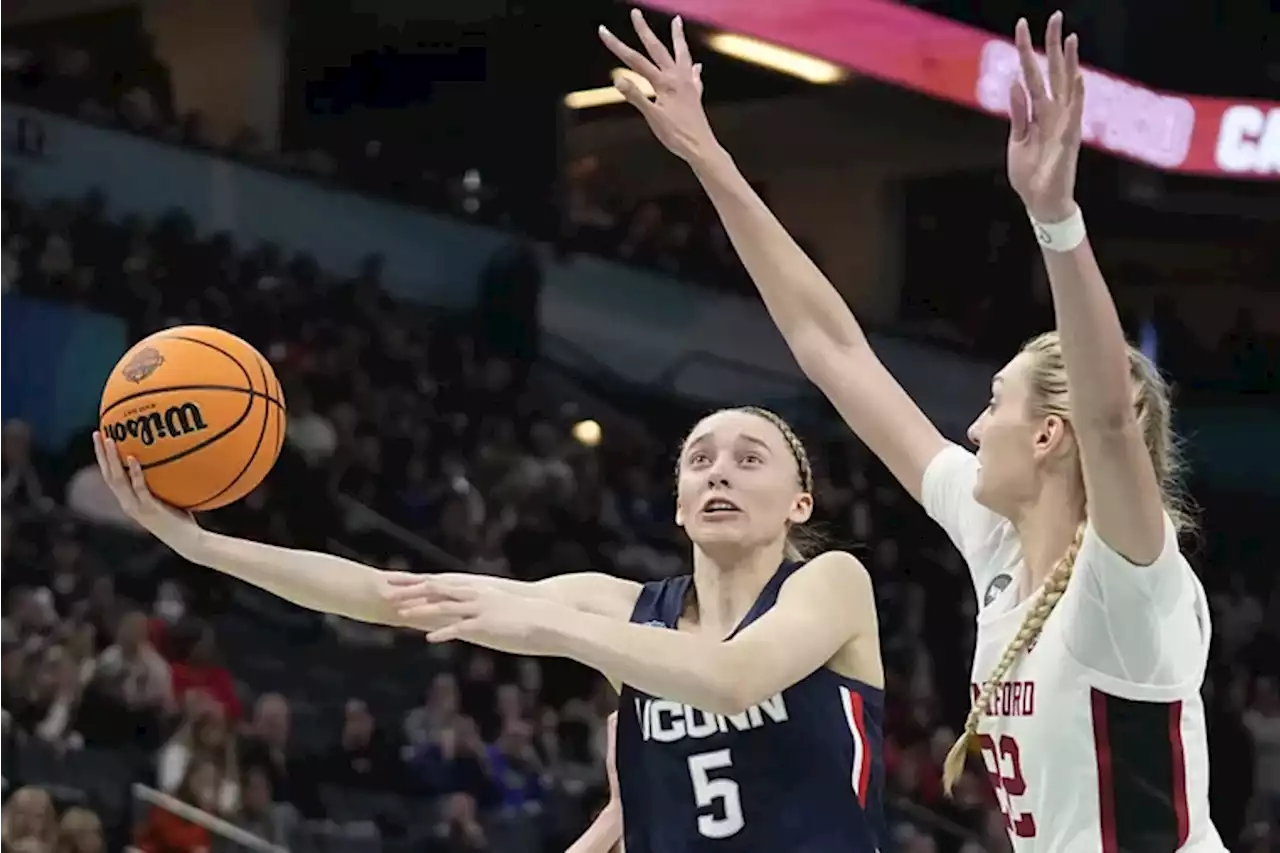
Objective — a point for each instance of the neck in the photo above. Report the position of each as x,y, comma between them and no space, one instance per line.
728,582
1046,528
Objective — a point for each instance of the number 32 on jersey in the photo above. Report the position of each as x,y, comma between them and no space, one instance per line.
1003,760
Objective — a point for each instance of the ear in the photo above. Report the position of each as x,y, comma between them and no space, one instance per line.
679,513
1053,438
801,508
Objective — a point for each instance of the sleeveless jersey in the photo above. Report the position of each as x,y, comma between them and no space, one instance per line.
800,772
1095,741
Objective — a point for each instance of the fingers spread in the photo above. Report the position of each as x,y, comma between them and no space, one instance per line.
1030,67
657,50
633,59
1059,82
679,44
1019,112
631,92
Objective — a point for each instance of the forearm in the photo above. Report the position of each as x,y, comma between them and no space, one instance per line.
308,579
678,666
604,834
804,305
1093,342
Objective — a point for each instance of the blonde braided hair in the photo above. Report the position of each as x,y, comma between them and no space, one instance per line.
1047,379
1028,632
795,550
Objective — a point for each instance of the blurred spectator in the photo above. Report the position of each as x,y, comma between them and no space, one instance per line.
22,482
440,710
1263,721
80,831
260,814
201,669
458,830
363,757
134,672
30,822
165,832
517,769
455,759
202,738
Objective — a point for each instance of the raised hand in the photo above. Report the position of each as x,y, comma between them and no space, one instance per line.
167,524
675,115
1044,137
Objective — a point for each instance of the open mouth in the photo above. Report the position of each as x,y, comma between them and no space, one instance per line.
720,507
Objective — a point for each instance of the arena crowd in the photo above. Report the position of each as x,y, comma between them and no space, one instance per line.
425,441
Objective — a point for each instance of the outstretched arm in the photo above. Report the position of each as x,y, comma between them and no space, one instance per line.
819,610
817,325
322,582
1124,496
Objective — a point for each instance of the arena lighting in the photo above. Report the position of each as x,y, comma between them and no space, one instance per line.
605,95
588,433
777,58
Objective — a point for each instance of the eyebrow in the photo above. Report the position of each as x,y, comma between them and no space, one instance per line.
750,439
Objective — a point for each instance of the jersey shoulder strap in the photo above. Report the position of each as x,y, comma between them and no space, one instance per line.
661,602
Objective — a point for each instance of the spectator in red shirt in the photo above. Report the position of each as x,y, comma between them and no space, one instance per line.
201,669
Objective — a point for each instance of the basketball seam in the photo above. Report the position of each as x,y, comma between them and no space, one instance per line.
262,432
248,381
140,394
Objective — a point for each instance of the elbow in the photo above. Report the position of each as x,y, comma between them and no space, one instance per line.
825,359
735,688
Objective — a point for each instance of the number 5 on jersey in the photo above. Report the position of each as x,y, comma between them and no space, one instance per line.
720,795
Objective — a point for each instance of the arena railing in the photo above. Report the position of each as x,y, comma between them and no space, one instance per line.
223,829
440,559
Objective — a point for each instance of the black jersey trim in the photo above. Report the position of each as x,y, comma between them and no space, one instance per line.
1142,790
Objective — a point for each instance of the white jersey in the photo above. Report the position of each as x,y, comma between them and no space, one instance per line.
1096,740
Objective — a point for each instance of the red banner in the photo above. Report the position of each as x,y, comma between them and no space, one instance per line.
1223,137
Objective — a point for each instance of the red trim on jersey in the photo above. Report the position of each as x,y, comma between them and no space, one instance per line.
1179,773
1106,782
861,777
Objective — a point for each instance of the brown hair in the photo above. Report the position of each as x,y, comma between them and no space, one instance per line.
801,541
1047,380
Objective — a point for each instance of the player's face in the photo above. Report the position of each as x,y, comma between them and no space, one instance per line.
1016,447
739,483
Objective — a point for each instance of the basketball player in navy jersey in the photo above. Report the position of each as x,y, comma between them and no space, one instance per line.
751,702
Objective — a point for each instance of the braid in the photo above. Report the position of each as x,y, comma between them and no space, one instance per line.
1032,624
793,442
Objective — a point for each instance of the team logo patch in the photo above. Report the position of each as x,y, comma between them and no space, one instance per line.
997,586
144,363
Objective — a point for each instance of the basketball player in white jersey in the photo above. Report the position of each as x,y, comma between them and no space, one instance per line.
1093,631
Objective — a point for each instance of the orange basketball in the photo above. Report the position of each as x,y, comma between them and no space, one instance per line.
201,410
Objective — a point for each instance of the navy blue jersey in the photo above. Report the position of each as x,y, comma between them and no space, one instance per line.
801,772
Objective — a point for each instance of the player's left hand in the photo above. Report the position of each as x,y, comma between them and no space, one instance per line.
484,616
1046,120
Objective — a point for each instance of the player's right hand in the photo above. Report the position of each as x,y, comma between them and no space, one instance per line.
675,115
127,483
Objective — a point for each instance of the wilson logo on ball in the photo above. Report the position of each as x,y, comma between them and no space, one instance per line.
173,422
146,362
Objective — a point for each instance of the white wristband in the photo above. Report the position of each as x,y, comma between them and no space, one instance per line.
1060,236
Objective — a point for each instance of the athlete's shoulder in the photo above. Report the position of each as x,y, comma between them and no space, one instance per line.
831,575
